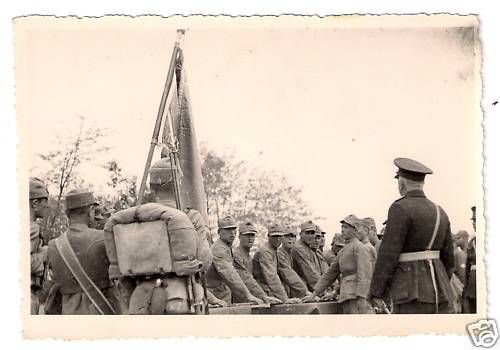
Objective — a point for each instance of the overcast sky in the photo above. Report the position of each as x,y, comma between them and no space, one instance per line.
330,108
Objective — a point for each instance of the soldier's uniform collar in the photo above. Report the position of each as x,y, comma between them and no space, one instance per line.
415,193
78,226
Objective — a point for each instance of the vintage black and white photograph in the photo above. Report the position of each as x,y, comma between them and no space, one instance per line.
261,166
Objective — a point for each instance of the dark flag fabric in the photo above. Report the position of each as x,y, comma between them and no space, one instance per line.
180,119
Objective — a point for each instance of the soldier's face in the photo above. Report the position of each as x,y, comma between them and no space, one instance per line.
228,234
247,240
289,241
41,207
348,232
275,241
322,240
308,237
316,241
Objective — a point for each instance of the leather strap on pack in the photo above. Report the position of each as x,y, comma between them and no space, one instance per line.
88,286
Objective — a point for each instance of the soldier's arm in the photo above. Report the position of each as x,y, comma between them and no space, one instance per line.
270,273
327,279
310,274
223,264
247,277
447,253
390,249
290,277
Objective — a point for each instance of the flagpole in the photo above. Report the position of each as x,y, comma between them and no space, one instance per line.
161,110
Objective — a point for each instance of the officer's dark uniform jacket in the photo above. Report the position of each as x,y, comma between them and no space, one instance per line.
306,263
410,226
294,286
88,245
470,271
222,278
244,266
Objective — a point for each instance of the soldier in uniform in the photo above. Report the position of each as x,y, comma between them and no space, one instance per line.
354,266
362,233
304,256
469,293
266,266
244,264
415,260
337,245
461,240
38,201
372,232
294,285
89,248
319,243
161,184
222,279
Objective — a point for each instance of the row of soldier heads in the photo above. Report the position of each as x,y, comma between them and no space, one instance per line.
310,233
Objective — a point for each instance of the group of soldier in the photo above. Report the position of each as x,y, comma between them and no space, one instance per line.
408,271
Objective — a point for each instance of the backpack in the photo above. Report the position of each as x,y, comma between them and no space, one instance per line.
155,245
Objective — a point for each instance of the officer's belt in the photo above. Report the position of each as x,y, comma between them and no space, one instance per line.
473,267
422,255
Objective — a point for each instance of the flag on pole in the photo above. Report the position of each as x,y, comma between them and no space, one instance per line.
180,119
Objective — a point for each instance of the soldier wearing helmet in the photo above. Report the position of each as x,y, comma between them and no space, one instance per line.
38,202
88,246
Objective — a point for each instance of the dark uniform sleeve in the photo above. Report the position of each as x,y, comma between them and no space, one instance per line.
327,279
390,249
290,277
447,253
223,264
247,277
269,270
309,273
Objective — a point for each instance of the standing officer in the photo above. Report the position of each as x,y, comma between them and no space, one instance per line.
469,293
88,248
162,186
362,233
38,201
244,264
354,266
294,285
415,259
304,256
266,265
222,279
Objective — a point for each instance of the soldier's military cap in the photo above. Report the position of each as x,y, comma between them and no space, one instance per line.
338,240
275,230
350,220
290,231
38,189
319,231
247,228
79,198
307,226
160,172
363,224
411,169
227,222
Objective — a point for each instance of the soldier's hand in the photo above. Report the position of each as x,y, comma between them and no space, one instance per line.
219,302
293,301
255,300
309,298
378,304
272,300
328,296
